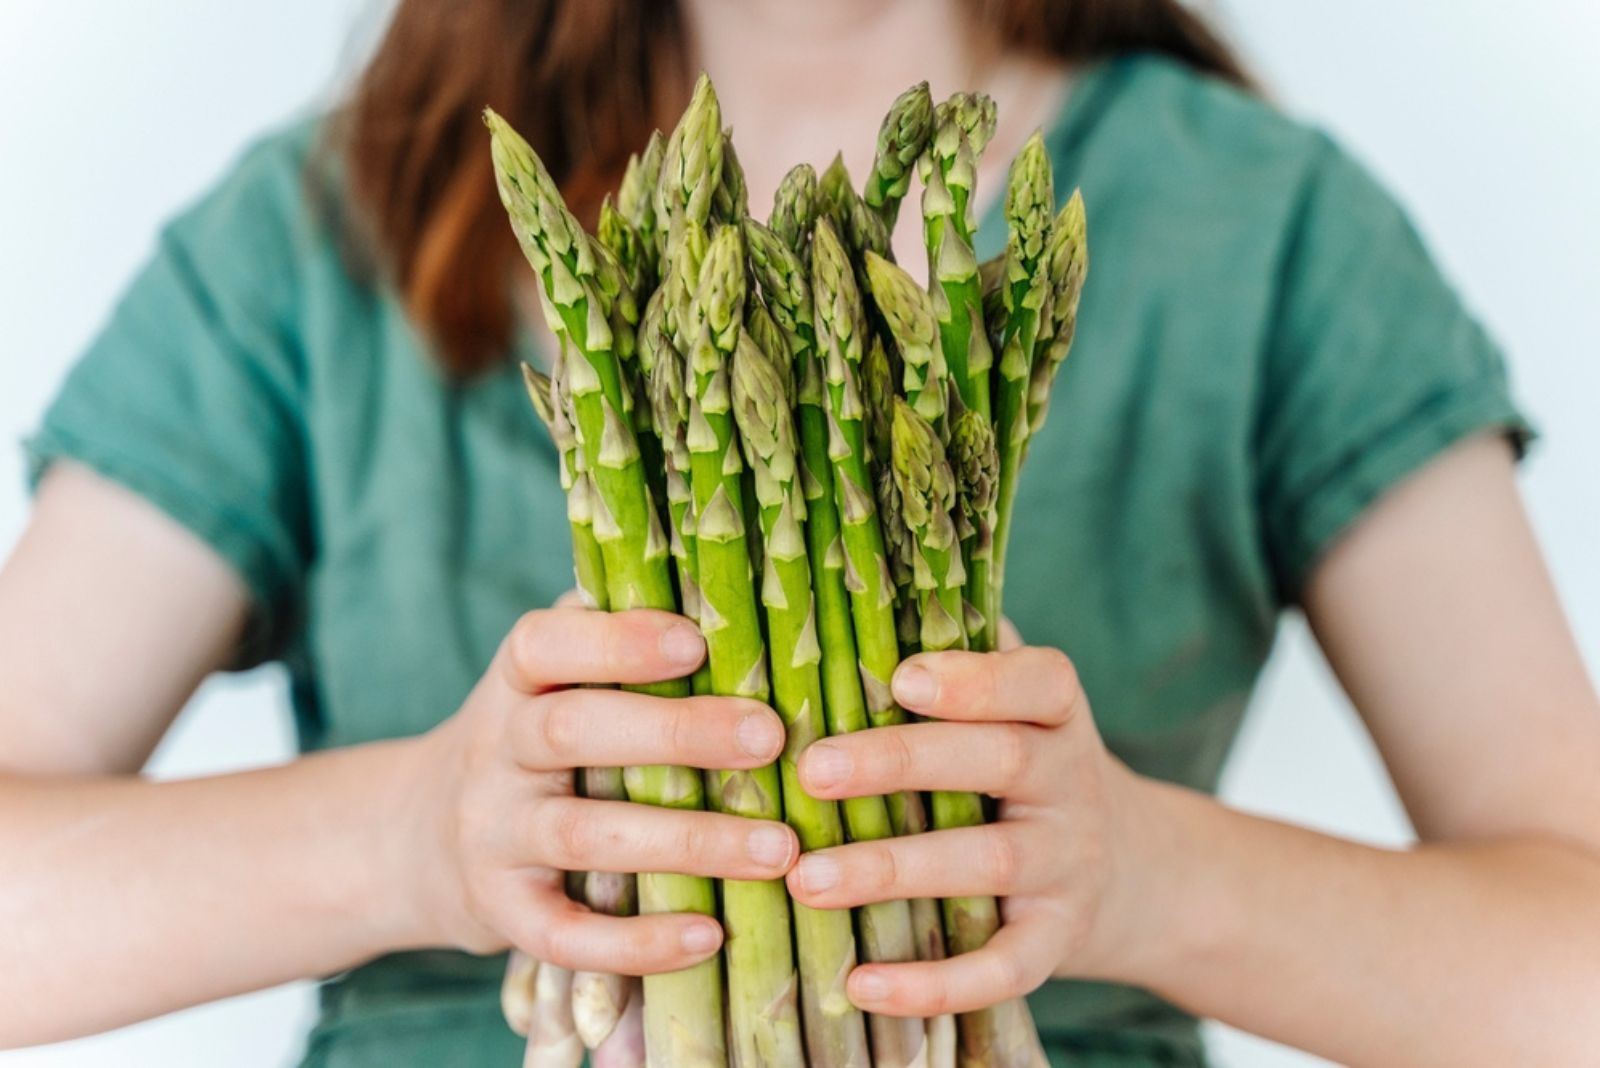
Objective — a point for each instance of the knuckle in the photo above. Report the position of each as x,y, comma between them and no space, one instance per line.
526,639
936,998
898,756
1007,975
1003,856
682,729
885,869
570,833
693,839
1013,757
1063,674
558,942
538,939
561,725
991,679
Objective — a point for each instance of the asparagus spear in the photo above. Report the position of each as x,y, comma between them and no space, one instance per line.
691,167
1022,288
794,208
731,202
684,1008
598,998
963,125
636,202
552,1042
761,976
1064,264
517,993
840,324
835,1030
901,141
1069,266
928,490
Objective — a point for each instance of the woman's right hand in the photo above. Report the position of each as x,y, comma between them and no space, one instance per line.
490,822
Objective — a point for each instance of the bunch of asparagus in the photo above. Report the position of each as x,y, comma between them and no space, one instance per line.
776,431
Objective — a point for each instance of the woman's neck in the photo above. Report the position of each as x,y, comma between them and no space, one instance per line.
799,82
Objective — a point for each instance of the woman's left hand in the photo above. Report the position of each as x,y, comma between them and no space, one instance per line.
1014,725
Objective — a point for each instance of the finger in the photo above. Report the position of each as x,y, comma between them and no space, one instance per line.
576,834
564,646
1000,759
1034,684
612,728
998,859
561,932
1010,636
1016,961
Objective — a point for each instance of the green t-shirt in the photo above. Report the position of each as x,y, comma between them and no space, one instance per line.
1265,347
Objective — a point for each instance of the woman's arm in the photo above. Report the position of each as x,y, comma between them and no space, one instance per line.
121,898
1480,946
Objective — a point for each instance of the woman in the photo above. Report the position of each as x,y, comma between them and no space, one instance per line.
300,437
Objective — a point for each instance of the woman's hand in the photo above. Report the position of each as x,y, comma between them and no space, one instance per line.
1014,725
493,823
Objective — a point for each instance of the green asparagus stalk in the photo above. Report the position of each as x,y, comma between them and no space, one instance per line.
887,931
1069,266
840,325
1064,264
928,490
669,404
901,141
684,1018
975,459
928,495
761,976
598,998
963,125
835,1030
1022,288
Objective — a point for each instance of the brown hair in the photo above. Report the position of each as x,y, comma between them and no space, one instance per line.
585,81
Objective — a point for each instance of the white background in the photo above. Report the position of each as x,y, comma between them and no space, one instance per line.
1481,115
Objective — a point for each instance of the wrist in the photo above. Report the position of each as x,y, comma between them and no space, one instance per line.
396,897
1164,903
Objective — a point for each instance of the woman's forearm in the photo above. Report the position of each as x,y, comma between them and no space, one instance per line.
122,899
1452,954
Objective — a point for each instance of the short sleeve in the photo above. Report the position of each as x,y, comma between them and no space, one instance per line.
1372,367
191,395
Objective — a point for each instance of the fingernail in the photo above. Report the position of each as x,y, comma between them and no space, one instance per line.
758,735
769,846
915,686
817,874
701,938
870,986
683,645
826,765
